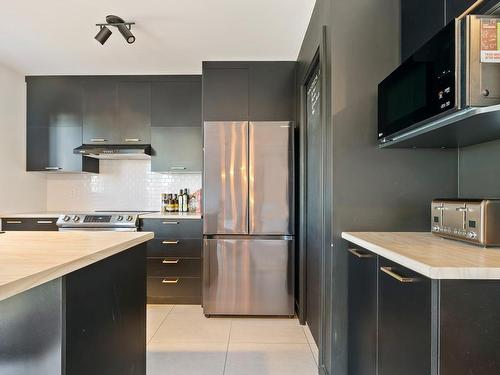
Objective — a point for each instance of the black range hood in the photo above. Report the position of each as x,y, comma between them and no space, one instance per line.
123,152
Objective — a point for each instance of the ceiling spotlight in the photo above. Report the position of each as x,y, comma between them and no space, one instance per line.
123,27
103,34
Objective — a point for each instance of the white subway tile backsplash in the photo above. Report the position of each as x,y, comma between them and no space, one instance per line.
120,185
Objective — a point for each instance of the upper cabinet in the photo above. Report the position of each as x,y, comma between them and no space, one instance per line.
225,93
455,8
116,112
249,91
272,91
176,102
421,19
54,125
134,112
176,135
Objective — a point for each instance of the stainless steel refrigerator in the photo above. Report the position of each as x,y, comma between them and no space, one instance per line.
248,218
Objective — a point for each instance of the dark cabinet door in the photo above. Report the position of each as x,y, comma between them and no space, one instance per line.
99,116
272,91
420,20
29,224
362,305
225,94
404,342
50,149
455,8
134,112
54,125
176,103
177,149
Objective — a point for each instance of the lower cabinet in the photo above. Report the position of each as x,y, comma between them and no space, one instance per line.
29,224
404,332
174,261
363,272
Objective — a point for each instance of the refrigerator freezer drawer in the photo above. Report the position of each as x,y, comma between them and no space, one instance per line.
248,276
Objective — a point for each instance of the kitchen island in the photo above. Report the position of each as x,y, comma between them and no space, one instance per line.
419,304
73,302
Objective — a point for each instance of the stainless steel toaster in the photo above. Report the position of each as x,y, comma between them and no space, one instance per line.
472,220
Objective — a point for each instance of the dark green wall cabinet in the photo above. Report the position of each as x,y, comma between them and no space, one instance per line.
54,125
176,135
116,111
421,19
249,91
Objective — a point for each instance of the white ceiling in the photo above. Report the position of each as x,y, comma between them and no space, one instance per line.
173,36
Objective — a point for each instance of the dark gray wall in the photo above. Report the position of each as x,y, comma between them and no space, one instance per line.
479,171
370,189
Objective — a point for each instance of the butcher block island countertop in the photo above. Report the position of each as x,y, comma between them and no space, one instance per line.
431,256
29,259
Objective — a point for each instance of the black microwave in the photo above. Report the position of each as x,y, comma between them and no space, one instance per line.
448,73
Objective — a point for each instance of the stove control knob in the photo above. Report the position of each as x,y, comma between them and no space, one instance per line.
119,218
129,218
472,235
66,218
76,219
435,228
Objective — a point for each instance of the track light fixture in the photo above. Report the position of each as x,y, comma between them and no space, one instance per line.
123,27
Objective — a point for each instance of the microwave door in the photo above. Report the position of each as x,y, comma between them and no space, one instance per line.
271,168
225,178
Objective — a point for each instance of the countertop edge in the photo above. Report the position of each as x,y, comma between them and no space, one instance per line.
179,216
18,286
437,273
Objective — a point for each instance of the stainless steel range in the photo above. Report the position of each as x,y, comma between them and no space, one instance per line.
100,221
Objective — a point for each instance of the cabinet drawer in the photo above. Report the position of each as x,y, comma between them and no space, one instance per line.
174,290
173,228
163,267
31,224
190,248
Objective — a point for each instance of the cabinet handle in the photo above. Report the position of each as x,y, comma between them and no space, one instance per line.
14,222
358,254
132,140
168,261
53,168
170,222
44,222
179,168
97,140
170,242
167,281
401,279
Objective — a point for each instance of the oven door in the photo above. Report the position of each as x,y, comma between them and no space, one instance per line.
421,88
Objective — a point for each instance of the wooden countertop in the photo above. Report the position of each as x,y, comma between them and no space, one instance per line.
431,256
28,259
172,215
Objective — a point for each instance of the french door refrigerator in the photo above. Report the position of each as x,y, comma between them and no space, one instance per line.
248,200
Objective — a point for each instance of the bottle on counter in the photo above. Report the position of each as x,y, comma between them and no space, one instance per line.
185,201
180,202
163,202
170,203
176,203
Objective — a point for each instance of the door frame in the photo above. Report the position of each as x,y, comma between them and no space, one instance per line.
319,60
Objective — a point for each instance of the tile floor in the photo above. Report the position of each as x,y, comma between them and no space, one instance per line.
181,341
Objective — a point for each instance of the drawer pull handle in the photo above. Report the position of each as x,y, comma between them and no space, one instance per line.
170,261
132,140
401,279
178,168
167,281
170,242
98,140
44,222
14,222
53,168
171,222
358,254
